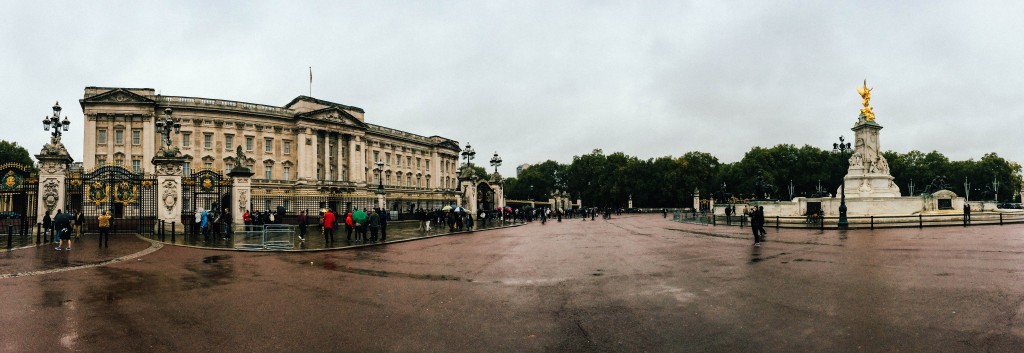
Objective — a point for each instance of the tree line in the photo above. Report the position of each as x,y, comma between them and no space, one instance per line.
608,180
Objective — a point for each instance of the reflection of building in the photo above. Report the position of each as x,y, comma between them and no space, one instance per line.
521,168
312,152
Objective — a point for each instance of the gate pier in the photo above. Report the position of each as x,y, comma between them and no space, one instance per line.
54,161
169,190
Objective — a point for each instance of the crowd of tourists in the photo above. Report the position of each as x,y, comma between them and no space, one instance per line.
63,227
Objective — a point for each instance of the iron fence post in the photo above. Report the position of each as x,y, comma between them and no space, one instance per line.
1000,219
172,232
10,234
920,221
39,232
776,222
872,222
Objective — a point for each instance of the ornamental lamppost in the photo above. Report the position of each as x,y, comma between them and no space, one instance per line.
495,161
842,148
468,154
55,122
995,189
165,126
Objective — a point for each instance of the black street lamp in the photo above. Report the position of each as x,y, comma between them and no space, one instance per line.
468,154
842,148
380,177
495,162
55,122
165,126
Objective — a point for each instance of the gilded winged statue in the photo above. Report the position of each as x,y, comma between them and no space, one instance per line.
865,93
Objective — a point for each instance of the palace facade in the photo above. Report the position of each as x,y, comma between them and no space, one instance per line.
306,155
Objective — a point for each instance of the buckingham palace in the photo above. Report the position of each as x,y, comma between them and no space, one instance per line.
306,155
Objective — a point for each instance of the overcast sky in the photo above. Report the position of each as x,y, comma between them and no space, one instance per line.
549,79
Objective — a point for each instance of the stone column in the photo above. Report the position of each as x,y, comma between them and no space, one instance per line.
303,159
326,148
356,168
168,191
54,161
241,192
696,199
337,160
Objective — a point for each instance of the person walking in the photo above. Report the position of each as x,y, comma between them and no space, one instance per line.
226,218
104,225
374,224
48,234
328,228
349,228
760,210
302,225
62,223
756,219
384,218
79,222
204,225
199,221
247,218
359,218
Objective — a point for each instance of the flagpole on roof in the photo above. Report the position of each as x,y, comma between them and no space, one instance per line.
310,81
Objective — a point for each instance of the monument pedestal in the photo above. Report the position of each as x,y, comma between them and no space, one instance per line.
868,173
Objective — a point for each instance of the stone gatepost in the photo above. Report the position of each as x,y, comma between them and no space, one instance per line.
53,168
168,191
469,189
696,199
241,192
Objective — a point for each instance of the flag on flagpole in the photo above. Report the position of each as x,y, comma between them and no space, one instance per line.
310,81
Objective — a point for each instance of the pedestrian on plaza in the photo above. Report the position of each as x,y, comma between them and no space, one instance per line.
728,215
247,217
359,218
204,225
48,228
469,221
225,218
967,213
197,229
302,225
384,218
374,224
104,225
63,223
349,228
79,222
760,209
757,224
328,227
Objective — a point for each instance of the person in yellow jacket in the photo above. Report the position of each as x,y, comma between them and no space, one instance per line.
104,225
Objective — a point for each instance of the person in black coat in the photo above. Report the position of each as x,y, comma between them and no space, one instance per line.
756,220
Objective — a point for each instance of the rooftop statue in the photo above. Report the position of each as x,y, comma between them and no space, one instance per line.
865,93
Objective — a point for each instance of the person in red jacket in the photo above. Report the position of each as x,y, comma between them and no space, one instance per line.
328,227
348,228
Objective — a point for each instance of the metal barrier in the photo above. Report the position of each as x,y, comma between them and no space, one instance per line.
865,222
264,237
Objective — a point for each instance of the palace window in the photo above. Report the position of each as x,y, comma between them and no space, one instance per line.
100,161
287,173
248,143
136,165
186,139
229,141
119,136
376,156
408,180
408,162
387,158
208,165
398,160
267,171
187,169
418,182
287,147
418,162
136,137
268,145
101,136
428,169
207,140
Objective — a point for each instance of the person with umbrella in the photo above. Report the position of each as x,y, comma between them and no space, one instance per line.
374,224
359,218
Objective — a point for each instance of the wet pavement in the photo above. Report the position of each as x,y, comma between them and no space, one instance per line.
635,283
